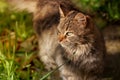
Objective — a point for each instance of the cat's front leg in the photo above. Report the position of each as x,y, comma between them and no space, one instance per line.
48,62
47,58
47,46
70,76
65,72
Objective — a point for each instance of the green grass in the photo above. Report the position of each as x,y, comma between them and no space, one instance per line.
18,46
8,66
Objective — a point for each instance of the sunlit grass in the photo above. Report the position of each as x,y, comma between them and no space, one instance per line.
8,65
18,51
18,46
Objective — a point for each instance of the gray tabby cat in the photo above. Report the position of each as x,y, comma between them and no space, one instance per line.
82,45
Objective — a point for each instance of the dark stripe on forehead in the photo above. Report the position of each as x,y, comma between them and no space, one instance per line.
70,17
72,14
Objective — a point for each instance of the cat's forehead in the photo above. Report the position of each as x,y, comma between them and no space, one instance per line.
73,21
66,20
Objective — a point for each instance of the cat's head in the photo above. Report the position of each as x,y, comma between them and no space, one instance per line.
75,29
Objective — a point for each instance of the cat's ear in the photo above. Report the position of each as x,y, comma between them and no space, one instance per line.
62,15
84,20
81,19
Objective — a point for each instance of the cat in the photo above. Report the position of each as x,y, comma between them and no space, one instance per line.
83,49
45,20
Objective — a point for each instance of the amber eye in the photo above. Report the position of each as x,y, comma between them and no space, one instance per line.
69,34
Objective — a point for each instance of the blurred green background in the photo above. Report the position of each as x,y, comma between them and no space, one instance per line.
103,11
18,44
109,9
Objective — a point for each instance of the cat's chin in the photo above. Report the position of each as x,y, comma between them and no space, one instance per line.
70,53
71,50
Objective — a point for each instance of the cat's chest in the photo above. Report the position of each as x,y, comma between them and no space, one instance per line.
48,39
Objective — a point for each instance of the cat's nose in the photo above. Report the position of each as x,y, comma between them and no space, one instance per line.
61,37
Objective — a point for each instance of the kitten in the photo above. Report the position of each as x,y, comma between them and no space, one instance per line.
45,20
82,45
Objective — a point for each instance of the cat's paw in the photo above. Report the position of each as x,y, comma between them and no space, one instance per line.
70,78
50,65
48,62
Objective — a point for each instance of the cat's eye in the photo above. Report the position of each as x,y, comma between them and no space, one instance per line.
69,34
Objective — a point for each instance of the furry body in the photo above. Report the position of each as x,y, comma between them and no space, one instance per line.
83,47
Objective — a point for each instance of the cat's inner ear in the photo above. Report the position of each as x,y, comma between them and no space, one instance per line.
62,15
81,19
